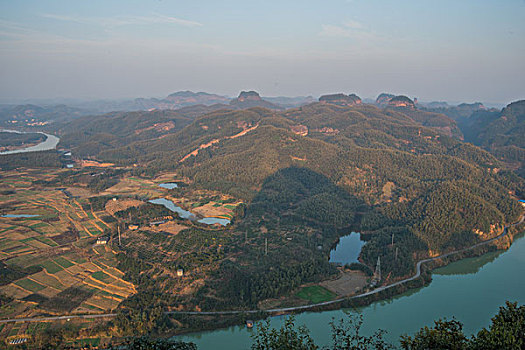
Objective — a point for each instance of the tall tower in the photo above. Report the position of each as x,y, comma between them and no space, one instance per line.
377,273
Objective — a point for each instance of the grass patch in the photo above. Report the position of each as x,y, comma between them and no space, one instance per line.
30,285
8,229
77,259
51,266
315,294
99,275
14,249
47,241
94,231
92,307
103,292
63,262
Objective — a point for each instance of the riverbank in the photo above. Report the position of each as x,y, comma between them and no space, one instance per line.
471,290
421,278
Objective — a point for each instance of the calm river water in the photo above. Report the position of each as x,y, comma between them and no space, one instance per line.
50,142
471,290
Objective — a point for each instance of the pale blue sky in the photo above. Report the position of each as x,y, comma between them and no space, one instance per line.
466,50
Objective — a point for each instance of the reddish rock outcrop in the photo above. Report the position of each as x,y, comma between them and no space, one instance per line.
341,99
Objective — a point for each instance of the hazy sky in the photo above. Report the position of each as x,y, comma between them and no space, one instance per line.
456,50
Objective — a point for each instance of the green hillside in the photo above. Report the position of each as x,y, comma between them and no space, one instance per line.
307,176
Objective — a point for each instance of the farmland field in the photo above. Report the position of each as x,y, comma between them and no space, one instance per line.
60,272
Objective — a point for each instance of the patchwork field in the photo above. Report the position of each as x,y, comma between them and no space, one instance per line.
50,263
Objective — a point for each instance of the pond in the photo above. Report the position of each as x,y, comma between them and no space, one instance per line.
50,142
169,185
19,216
347,250
471,290
212,221
184,214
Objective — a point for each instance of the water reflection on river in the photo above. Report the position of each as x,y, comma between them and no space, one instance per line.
471,290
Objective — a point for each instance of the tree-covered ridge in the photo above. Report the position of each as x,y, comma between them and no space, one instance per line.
92,135
382,157
305,174
12,139
499,132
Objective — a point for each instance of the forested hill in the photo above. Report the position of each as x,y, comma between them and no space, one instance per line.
90,135
500,132
502,129
406,165
310,173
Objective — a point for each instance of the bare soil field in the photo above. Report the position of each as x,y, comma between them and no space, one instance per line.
349,283
122,204
168,227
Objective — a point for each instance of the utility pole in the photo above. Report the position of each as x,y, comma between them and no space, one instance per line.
265,246
392,239
119,242
396,252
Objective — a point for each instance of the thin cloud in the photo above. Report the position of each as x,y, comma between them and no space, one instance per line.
348,29
124,20
351,24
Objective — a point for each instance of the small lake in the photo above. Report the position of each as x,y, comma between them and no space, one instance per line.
175,208
169,185
347,250
19,216
471,290
184,214
212,221
51,142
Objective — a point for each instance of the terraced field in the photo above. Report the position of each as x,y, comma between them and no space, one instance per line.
59,269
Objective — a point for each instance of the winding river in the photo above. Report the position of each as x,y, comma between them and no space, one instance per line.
471,290
50,142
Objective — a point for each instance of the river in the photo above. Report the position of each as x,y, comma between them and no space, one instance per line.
471,290
50,142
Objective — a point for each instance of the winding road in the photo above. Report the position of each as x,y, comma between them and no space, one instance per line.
286,309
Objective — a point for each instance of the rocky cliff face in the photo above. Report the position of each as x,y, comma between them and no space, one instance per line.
249,99
401,101
389,100
249,96
383,99
341,99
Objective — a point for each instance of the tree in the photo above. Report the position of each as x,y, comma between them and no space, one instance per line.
444,335
507,330
287,337
146,343
346,335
